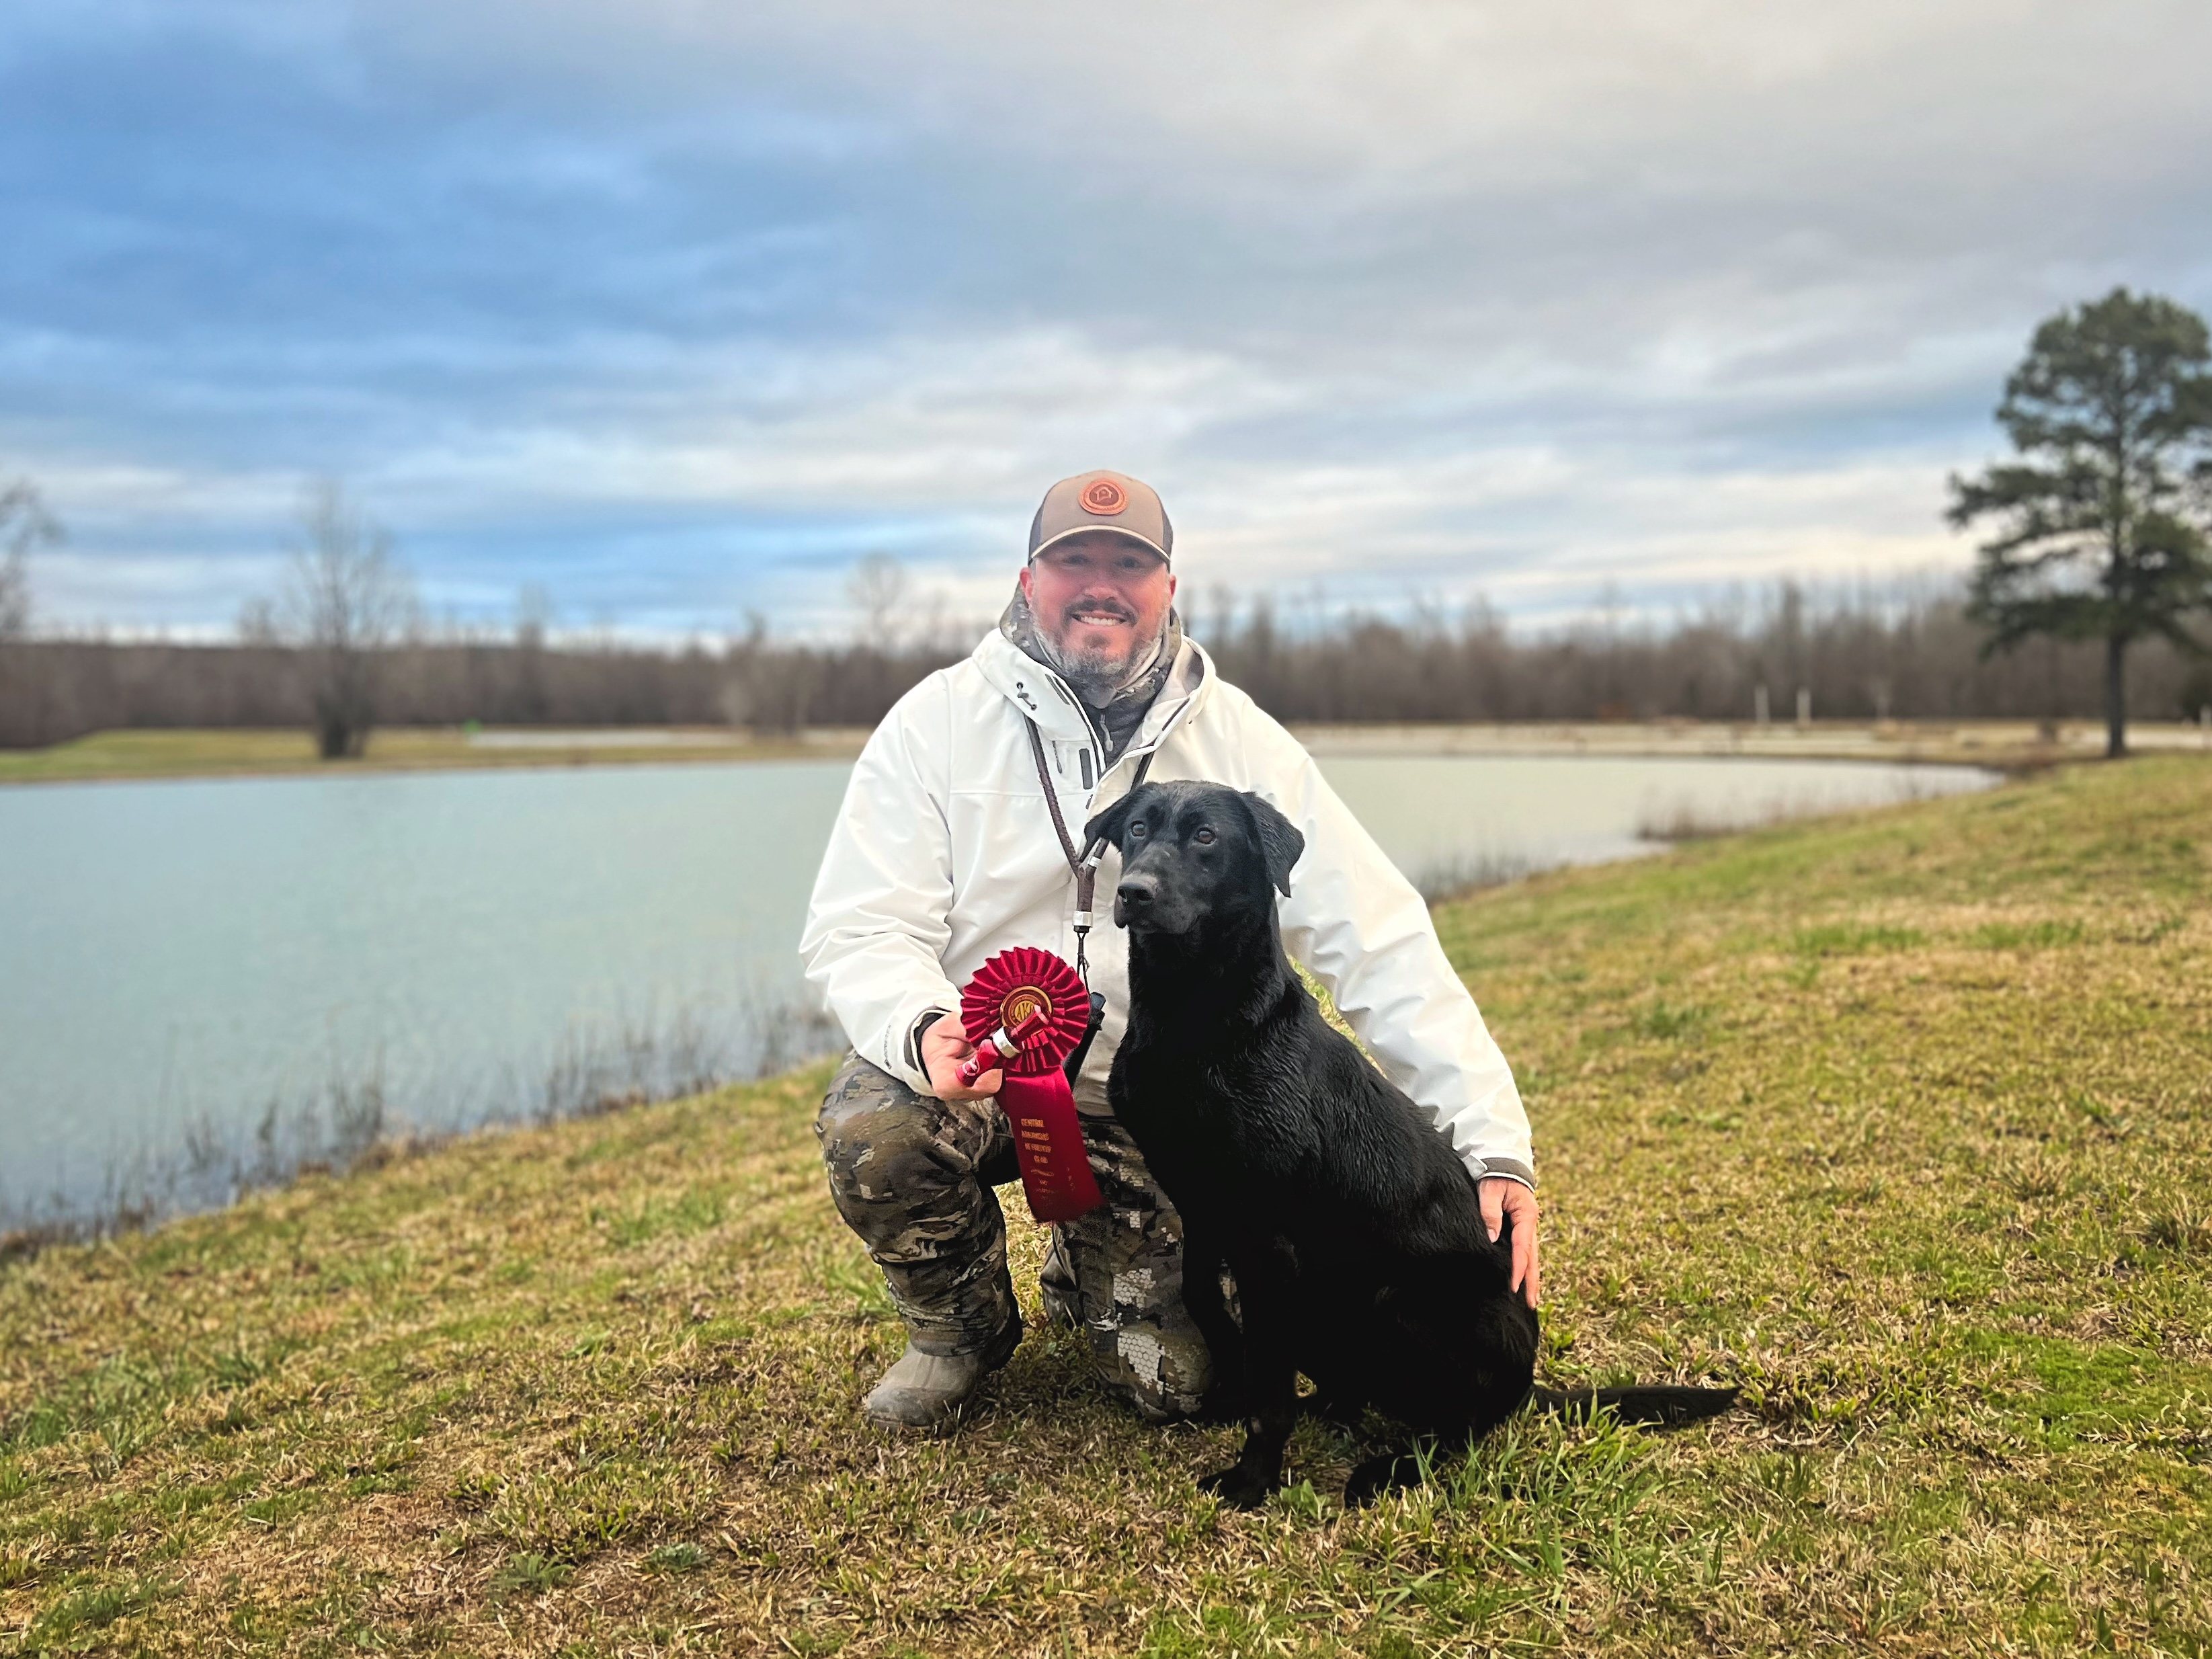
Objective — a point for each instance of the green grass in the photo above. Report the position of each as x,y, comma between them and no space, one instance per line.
1901,1121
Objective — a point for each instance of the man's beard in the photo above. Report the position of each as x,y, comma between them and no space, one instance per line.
1095,674
1100,669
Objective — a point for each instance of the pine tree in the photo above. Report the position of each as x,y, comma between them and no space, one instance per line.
2099,532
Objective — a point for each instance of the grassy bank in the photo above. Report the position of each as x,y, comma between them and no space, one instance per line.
1902,1121
245,752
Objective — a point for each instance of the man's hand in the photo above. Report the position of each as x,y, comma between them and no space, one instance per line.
1502,1198
944,1050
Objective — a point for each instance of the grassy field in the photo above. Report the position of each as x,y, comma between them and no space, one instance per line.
1902,1121
239,753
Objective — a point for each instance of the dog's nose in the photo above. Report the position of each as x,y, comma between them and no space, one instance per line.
1133,894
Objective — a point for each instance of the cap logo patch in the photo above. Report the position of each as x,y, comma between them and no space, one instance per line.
1103,498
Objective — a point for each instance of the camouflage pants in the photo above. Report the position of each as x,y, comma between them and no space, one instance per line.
913,1175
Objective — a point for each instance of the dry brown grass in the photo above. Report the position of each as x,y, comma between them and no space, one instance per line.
1902,1121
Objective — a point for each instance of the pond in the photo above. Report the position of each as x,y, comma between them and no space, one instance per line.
200,982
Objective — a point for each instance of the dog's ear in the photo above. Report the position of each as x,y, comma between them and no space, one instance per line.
1110,823
1280,843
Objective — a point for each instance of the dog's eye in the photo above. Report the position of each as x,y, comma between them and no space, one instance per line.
1137,829
1204,837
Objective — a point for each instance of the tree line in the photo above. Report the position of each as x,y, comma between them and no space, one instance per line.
1856,655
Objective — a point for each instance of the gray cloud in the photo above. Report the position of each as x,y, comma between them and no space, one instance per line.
679,309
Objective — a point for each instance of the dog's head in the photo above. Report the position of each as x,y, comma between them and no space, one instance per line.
1194,852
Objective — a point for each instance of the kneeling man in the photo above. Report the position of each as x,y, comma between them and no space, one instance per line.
954,844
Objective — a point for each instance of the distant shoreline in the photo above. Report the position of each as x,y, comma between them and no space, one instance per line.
143,754
138,755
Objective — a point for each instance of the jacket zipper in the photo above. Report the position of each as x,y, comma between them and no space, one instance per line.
1059,689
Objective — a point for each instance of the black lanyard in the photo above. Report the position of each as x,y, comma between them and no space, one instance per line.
1085,863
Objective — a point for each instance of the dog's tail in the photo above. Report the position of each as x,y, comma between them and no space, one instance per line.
1664,1403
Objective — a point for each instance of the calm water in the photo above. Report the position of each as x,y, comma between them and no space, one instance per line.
193,974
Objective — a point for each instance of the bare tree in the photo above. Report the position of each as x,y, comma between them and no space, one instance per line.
257,623
937,626
877,588
24,524
533,615
346,601
533,620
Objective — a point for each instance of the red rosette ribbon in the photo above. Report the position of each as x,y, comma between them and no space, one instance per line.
1026,1011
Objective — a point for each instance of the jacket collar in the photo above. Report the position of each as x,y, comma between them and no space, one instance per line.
1040,694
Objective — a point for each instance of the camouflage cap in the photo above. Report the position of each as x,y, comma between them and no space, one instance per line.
1103,500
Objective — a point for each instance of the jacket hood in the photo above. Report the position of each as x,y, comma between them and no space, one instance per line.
1039,694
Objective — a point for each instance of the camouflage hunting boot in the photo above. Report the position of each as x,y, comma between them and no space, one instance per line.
913,1176
927,1390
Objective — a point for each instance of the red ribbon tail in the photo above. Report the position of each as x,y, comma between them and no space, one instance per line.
1048,1144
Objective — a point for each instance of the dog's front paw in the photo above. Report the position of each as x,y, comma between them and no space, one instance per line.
1239,1487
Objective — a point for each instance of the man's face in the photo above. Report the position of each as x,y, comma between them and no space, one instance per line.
1101,599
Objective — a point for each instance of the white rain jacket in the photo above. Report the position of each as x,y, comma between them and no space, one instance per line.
943,856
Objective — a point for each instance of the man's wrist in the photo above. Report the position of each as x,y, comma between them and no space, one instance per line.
928,1018
1505,1169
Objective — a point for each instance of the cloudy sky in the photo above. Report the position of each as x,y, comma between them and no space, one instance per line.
679,308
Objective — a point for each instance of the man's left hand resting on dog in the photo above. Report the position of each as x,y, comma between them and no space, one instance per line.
1502,1197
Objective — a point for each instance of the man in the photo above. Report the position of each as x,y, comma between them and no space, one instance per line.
945,853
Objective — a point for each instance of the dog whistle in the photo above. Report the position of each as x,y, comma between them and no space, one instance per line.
999,1046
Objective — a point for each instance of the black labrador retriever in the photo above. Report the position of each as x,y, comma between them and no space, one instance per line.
1352,1230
